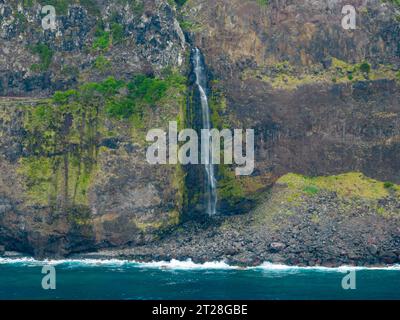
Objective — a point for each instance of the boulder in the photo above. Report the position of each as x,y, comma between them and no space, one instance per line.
276,246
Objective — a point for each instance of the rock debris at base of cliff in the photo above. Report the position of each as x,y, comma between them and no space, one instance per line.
76,103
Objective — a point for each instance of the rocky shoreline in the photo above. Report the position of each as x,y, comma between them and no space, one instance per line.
291,227
244,246
315,229
251,249
76,185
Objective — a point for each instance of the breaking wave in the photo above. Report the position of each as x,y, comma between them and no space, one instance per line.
178,265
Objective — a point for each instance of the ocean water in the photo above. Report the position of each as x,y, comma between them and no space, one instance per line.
113,279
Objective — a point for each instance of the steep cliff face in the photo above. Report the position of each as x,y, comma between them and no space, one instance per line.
322,99
91,40
73,168
304,33
82,189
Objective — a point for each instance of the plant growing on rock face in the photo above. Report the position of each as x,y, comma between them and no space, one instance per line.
45,55
388,185
229,188
263,2
311,190
63,137
21,21
61,6
365,67
102,64
395,2
180,2
117,32
64,134
48,128
101,41
91,6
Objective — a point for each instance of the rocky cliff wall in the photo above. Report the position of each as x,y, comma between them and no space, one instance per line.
73,168
92,40
322,100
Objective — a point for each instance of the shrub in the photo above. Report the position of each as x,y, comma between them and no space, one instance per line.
101,40
61,6
365,67
45,55
110,86
117,32
263,2
102,64
388,185
121,109
395,2
91,7
180,2
312,190
147,89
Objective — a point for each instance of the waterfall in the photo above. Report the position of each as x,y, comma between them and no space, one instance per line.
210,180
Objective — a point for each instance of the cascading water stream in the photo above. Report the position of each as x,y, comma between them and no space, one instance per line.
210,180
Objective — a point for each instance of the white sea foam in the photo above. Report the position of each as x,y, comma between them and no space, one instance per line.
187,265
86,262
281,267
21,260
180,265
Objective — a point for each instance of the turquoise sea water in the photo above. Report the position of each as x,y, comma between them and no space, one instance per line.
100,279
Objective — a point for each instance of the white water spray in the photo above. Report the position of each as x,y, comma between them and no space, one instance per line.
210,180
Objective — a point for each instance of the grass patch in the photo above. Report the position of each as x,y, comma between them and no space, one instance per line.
286,76
311,190
351,185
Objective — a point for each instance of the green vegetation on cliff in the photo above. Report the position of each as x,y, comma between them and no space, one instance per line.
317,197
64,136
286,76
102,39
395,2
180,2
350,185
45,54
263,2
61,6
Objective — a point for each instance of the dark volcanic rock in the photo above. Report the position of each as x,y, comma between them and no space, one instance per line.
276,246
361,237
152,40
285,69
